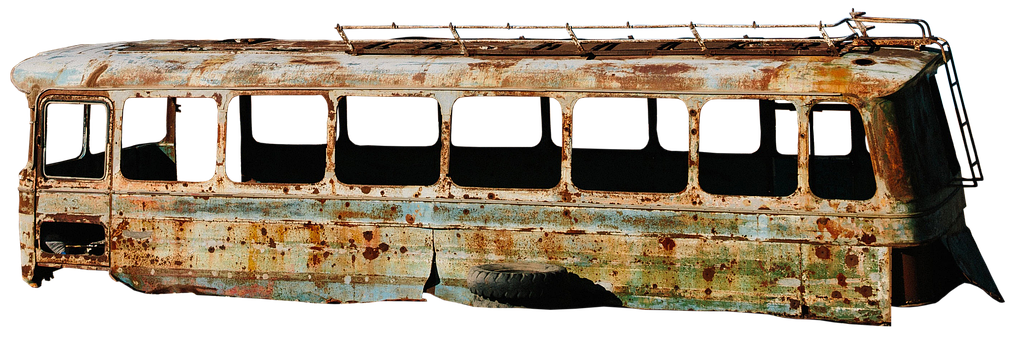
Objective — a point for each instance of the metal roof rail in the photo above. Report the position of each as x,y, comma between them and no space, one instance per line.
808,38
822,44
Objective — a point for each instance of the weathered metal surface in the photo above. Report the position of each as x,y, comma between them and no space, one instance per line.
797,255
788,279
105,66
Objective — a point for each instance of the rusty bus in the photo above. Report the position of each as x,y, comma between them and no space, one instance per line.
780,227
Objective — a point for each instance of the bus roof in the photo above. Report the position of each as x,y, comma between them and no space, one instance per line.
283,64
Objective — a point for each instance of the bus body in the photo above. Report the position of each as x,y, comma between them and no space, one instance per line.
836,236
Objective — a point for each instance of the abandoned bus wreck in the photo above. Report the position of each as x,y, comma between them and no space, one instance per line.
161,163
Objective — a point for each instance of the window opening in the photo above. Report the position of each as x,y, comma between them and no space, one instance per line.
169,139
831,135
672,125
730,126
610,123
388,140
76,140
741,147
622,144
787,130
840,164
506,142
68,238
392,121
277,139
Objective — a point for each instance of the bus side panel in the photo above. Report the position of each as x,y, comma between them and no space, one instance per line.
210,245
687,273
27,236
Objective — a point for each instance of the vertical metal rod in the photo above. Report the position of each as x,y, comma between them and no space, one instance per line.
463,49
696,34
85,130
574,38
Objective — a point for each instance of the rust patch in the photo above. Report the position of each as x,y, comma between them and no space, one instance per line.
368,235
26,271
852,260
836,294
25,204
868,238
667,243
822,252
403,250
493,64
865,291
833,228
410,219
366,189
794,304
95,75
663,69
708,274
370,253
314,60
841,279
75,218
383,247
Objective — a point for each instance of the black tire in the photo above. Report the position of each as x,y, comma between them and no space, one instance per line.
517,281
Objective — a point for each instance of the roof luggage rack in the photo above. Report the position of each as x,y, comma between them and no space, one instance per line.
590,40
820,44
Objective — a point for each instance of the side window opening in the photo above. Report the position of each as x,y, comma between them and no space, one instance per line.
840,164
388,140
76,140
169,139
748,147
630,144
277,139
68,238
506,142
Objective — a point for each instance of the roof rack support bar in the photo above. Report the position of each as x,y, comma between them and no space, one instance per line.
574,38
696,34
346,41
824,34
463,49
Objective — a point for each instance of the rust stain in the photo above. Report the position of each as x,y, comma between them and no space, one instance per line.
419,78
841,279
708,274
867,238
663,69
833,228
667,243
91,81
895,167
823,253
852,260
864,291
493,65
370,253
73,218
315,60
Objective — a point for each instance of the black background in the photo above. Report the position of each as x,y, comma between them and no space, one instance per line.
81,296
